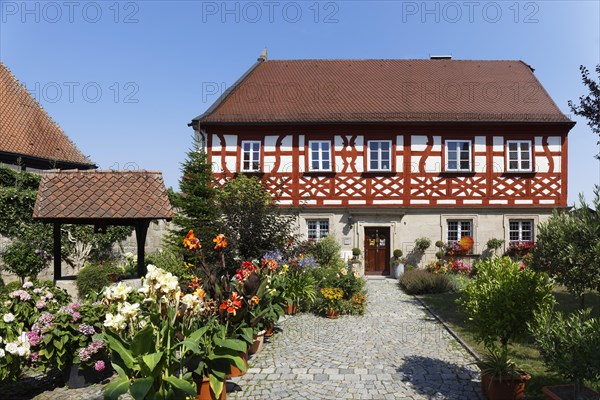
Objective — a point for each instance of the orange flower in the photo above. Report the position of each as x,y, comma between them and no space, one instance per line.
466,243
221,242
232,305
254,300
191,241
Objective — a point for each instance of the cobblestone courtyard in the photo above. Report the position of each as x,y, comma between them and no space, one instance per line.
395,351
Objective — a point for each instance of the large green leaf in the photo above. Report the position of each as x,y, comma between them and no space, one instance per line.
182,385
143,342
141,387
152,360
116,388
197,335
191,345
216,383
117,346
233,344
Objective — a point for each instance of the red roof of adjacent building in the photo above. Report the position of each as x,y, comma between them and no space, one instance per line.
26,129
102,195
325,91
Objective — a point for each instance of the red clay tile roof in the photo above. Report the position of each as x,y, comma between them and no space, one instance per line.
26,128
300,91
102,194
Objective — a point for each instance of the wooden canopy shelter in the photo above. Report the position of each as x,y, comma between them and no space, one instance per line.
102,198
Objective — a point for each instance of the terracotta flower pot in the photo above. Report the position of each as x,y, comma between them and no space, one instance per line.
507,388
332,314
235,371
567,392
205,392
291,309
257,345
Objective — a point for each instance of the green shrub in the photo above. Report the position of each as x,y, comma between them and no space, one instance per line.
494,244
570,347
409,267
94,278
25,259
440,244
397,253
417,281
458,281
356,252
422,243
169,260
327,251
502,299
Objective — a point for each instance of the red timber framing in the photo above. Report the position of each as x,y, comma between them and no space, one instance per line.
417,177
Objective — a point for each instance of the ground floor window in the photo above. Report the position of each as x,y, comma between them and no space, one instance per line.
317,228
458,229
520,230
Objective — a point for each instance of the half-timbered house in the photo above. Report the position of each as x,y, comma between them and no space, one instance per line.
382,152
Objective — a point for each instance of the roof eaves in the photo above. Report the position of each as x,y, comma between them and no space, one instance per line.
227,93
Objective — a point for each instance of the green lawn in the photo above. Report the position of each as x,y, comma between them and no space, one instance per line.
525,355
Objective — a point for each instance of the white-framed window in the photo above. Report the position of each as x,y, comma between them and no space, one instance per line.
319,155
458,155
459,228
317,228
250,156
518,155
520,230
379,155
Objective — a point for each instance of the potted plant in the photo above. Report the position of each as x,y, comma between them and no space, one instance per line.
500,377
299,287
332,301
499,303
398,264
494,244
570,348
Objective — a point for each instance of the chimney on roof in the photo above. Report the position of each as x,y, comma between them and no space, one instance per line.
263,55
440,57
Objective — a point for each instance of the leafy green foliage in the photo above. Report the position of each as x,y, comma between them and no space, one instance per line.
95,277
102,242
502,298
494,244
170,260
25,259
589,105
422,244
568,247
398,253
327,251
496,363
570,346
417,281
195,205
251,222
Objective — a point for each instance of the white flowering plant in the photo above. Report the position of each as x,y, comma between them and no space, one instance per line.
161,339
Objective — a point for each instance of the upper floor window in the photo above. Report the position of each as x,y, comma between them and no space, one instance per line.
518,155
250,156
317,228
520,230
320,155
459,228
458,155
380,155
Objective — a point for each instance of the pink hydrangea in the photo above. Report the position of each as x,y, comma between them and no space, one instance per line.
99,366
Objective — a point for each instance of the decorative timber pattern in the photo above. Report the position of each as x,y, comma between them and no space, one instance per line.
417,177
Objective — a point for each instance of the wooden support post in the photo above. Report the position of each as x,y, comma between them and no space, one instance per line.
141,231
57,253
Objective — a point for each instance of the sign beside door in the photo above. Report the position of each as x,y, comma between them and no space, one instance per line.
377,251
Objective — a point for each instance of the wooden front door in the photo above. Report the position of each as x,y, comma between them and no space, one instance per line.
377,253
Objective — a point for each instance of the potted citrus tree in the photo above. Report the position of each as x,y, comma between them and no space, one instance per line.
570,348
500,302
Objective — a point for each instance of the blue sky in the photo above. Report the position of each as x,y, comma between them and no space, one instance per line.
123,79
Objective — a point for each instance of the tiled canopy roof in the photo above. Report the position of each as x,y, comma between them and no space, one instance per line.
102,195
298,91
26,129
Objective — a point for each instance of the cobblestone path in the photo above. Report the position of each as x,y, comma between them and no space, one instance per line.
395,351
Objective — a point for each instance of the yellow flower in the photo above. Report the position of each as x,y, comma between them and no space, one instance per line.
221,242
